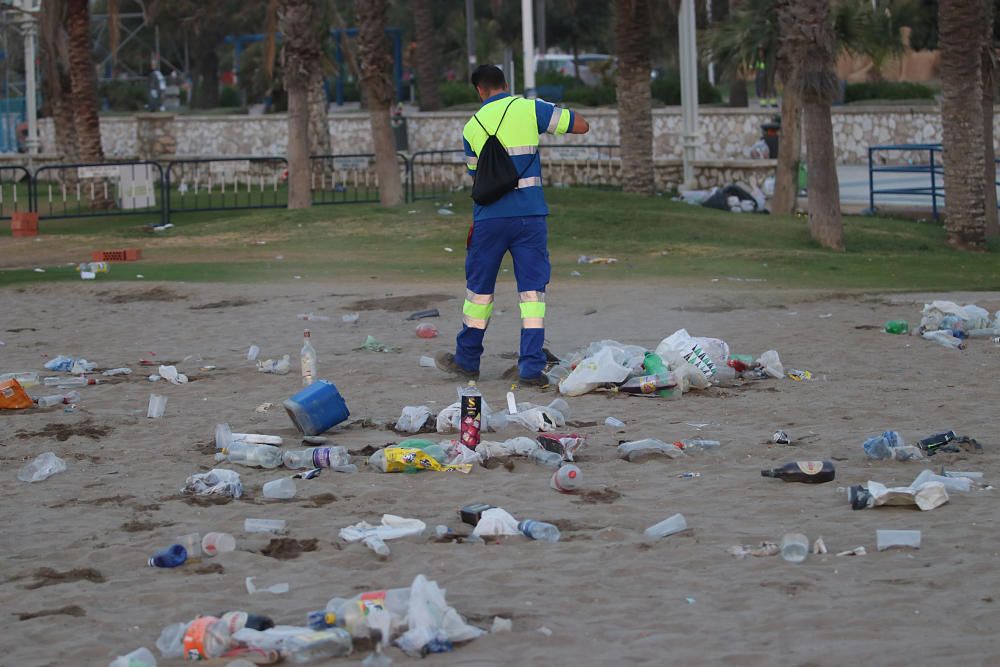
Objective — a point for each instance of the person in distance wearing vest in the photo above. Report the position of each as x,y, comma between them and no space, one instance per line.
509,215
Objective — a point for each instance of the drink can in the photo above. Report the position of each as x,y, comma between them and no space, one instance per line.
472,414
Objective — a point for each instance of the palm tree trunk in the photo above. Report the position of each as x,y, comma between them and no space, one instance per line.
376,65
786,185
427,55
300,54
813,47
55,78
960,41
989,87
206,69
635,107
84,82
319,124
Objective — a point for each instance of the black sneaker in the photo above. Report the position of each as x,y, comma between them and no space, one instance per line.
511,373
541,381
445,361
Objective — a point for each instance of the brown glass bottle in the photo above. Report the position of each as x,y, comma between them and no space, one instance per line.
807,472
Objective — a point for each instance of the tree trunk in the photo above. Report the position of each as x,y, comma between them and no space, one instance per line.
738,96
300,54
989,87
786,180
427,55
812,47
376,82
635,110
825,223
57,86
83,79
319,124
206,89
960,42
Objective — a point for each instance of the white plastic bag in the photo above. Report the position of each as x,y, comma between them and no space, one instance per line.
215,482
393,527
936,311
496,521
771,364
680,346
513,447
413,418
631,451
592,372
538,418
170,374
430,617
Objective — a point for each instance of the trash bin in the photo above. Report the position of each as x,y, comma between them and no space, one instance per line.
770,132
399,132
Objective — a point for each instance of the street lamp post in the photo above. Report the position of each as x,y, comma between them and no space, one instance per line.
689,89
528,42
27,17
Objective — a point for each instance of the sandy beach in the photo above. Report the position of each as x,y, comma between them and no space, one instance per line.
77,591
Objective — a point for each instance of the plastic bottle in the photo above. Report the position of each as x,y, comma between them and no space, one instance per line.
254,456
217,543
319,645
544,457
471,415
648,384
172,556
308,359
945,339
667,527
897,327
350,613
698,445
59,399
426,330
881,447
539,530
315,457
141,657
264,525
280,489
567,479
26,380
117,371
794,547
76,381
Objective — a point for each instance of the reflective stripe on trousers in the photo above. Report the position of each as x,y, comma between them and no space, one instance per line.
477,310
532,309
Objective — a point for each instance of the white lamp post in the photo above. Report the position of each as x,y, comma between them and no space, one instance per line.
27,11
689,89
528,42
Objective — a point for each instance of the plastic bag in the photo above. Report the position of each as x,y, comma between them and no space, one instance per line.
566,444
771,363
41,468
393,527
170,374
429,617
512,447
538,418
280,367
934,312
215,482
496,521
638,449
680,346
413,418
602,368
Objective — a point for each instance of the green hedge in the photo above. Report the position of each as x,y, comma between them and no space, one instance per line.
887,90
454,93
667,89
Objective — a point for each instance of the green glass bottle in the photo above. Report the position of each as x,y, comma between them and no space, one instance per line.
897,327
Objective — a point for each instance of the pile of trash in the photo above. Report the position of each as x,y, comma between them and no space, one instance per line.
417,619
679,364
950,325
729,198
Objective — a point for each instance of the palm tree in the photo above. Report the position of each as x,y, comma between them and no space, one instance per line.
376,83
427,56
57,87
813,46
635,111
83,80
301,55
960,39
790,148
988,65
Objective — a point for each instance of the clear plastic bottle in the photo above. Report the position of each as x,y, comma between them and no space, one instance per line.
544,457
567,479
698,445
945,339
317,645
141,657
539,530
279,489
316,457
308,358
350,613
254,456
76,381
58,399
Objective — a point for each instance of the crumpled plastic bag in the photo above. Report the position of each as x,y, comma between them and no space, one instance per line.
64,364
927,496
170,374
449,419
890,445
971,315
280,367
215,482
771,363
429,617
605,367
496,521
565,444
413,418
373,345
538,418
460,454
393,527
638,449
680,345
513,447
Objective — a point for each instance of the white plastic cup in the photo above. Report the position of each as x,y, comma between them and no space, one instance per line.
252,353
191,542
264,525
887,539
614,422
217,543
280,489
427,362
794,547
157,405
669,526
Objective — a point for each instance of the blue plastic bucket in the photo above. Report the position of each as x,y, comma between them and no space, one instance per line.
317,408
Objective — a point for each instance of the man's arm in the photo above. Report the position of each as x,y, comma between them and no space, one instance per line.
579,124
553,119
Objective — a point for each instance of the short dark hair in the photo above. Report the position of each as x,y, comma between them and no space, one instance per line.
489,77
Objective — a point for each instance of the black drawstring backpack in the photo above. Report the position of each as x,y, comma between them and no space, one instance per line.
496,174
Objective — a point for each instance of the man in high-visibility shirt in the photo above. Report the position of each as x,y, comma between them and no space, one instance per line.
515,223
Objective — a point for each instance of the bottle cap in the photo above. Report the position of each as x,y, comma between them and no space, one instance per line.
306,333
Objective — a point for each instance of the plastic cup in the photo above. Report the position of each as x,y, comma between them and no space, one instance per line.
426,330
217,543
281,489
427,362
614,422
674,524
191,542
887,539
794,547
264,525
157,405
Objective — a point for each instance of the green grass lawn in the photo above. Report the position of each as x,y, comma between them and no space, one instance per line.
654,239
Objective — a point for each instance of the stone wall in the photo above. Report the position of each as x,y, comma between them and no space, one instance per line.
726,134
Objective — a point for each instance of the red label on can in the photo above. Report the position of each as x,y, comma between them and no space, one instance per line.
471,422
